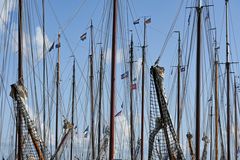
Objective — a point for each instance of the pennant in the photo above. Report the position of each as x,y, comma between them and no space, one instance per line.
134,86
124,75
147,21
85,132
52,47
83,36
57,45
136,21
182,69
118,114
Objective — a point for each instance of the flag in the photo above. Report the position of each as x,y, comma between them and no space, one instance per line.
134,86
85,132
83,36
147,21
124,75
182,69
136,21
118,114
210,99
52,47
58,45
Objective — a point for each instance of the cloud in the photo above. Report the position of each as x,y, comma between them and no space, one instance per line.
6,7
119,57
39,42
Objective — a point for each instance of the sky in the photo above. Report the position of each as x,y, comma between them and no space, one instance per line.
72,18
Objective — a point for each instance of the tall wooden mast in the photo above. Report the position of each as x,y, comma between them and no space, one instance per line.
100,102
91,93
178,85
132,141
143,80
236,122
216,99
57,91
44,74
73,104
20,79
198,80
113,82
228,86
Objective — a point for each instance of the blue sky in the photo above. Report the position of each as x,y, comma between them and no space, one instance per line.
72,18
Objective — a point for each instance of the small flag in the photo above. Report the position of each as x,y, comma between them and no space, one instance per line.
147,21
52,47
124,75
210,99
85,132
189,18
182,69
58,45
83,36
134,86
136,21
118,114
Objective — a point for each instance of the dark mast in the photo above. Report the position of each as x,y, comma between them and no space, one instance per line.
228,85
73,104
198,79
20,79
100,102
178,85
57,91
91,93
113,77
236,122
132,141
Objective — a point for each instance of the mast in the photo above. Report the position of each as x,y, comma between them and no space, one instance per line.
57,91
228,85
44,73
198,80
178,86
132,146
91,93
20,79
216,99
100,102
236,122
113,76
73,103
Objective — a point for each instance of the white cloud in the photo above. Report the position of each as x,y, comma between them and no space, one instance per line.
119,56
6,8
39,42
